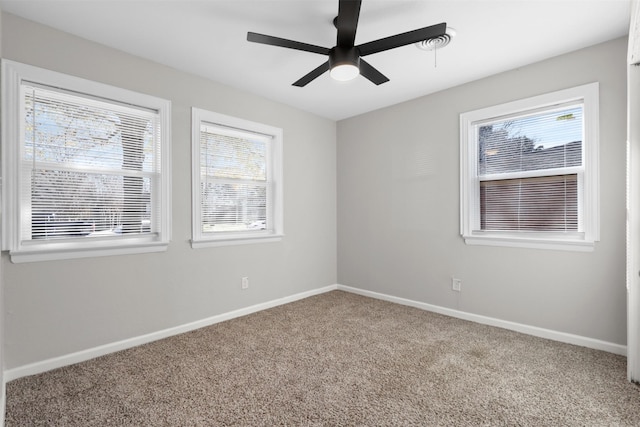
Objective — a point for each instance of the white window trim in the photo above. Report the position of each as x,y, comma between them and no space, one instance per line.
588,199
13,75
198,240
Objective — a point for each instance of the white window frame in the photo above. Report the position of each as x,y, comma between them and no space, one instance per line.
274,231
588,185
27,250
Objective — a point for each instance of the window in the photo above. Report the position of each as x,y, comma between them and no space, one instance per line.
530,172
85,167
237,180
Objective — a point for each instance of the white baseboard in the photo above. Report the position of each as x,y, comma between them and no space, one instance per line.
518,327
81,356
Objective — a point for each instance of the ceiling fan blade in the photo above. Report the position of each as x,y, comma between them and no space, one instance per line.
402,39
368,71
347,21
312,75
290,44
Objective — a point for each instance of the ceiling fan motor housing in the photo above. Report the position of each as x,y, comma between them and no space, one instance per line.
344,63
340,55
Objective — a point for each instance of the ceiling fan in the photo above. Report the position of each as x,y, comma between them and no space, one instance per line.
345,59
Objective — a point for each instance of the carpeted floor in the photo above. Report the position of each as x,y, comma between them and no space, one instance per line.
336,359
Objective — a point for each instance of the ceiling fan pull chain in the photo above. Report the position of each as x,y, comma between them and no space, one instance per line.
435,57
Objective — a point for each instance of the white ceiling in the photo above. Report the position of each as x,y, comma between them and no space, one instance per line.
208,38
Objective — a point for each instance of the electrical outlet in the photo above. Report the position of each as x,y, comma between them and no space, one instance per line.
245,283
456,284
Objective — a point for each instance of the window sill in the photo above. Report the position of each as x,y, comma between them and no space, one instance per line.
532,243
40,253
228,241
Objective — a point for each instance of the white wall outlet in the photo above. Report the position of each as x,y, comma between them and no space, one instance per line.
245,283
456,284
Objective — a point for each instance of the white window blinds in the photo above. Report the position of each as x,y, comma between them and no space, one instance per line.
90,167
529,172
237,190
529,168
235,187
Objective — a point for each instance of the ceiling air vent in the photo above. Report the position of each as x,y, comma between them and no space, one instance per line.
437,42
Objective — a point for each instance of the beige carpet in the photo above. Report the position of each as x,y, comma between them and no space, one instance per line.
331,360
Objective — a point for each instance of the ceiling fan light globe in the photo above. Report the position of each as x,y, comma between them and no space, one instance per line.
344,72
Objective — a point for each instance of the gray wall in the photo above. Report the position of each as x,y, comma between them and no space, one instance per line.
398,207
56,308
